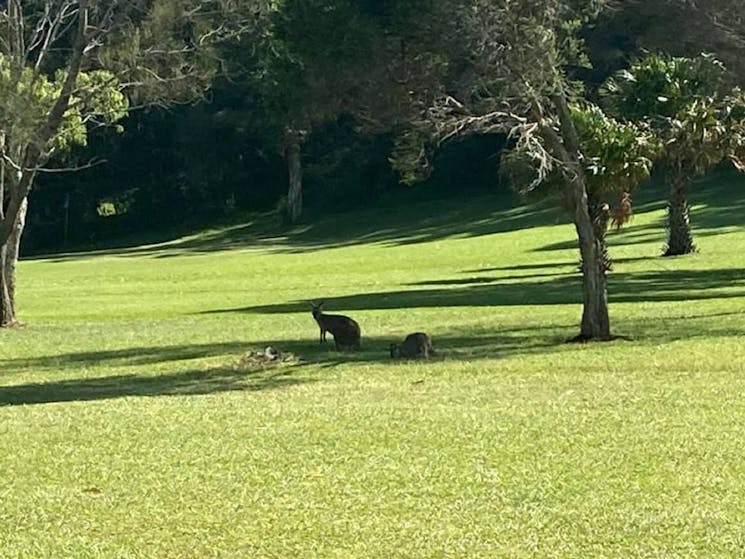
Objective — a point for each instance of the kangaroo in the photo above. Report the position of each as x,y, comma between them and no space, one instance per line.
415,345
346,331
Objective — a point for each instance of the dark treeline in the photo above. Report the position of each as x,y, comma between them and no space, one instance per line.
194,165
187,166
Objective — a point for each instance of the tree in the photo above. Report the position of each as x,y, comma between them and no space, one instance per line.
27,100
65,65
695,113
502,68
301,92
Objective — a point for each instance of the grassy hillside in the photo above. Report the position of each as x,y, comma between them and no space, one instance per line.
130,425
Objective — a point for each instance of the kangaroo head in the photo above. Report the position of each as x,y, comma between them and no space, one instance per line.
316,308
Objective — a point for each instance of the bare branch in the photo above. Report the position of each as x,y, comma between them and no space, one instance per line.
50,29
92,163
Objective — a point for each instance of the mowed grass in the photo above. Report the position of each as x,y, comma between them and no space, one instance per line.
130,427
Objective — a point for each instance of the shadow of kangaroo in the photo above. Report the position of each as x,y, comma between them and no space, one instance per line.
346,331
415,345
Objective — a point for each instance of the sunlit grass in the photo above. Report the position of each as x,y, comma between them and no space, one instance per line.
130,428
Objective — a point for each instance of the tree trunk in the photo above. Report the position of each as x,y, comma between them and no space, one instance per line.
8,260
295,172
13,250
7,310
595,318
600,216
679,236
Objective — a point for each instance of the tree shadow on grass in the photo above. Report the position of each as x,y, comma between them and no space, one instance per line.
235,378
573,264
643,234
718,206
660,285
468,344
397,225
131,356
453,345
412,219
475,280
194,382
462,344
305,350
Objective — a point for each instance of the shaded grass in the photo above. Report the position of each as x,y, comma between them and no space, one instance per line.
128,430
183,383
400,223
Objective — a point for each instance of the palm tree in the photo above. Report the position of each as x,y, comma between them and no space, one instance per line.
696,115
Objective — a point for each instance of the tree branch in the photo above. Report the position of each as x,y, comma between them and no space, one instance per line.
92,163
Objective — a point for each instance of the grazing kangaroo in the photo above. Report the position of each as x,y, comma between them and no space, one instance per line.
415,345
346,331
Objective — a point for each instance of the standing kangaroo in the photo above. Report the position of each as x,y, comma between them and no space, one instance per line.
415,345
346,331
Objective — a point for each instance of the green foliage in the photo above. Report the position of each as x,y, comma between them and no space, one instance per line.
616,157
660,86
323,58
683,28
312,54
521,167
687,103
26,99
412,157
502,62
98,96
329,31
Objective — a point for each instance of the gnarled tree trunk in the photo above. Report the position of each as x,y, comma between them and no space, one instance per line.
595,318
595,323
13,249
13,220
679,236
7,310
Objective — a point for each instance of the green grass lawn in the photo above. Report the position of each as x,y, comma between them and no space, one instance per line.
131,427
